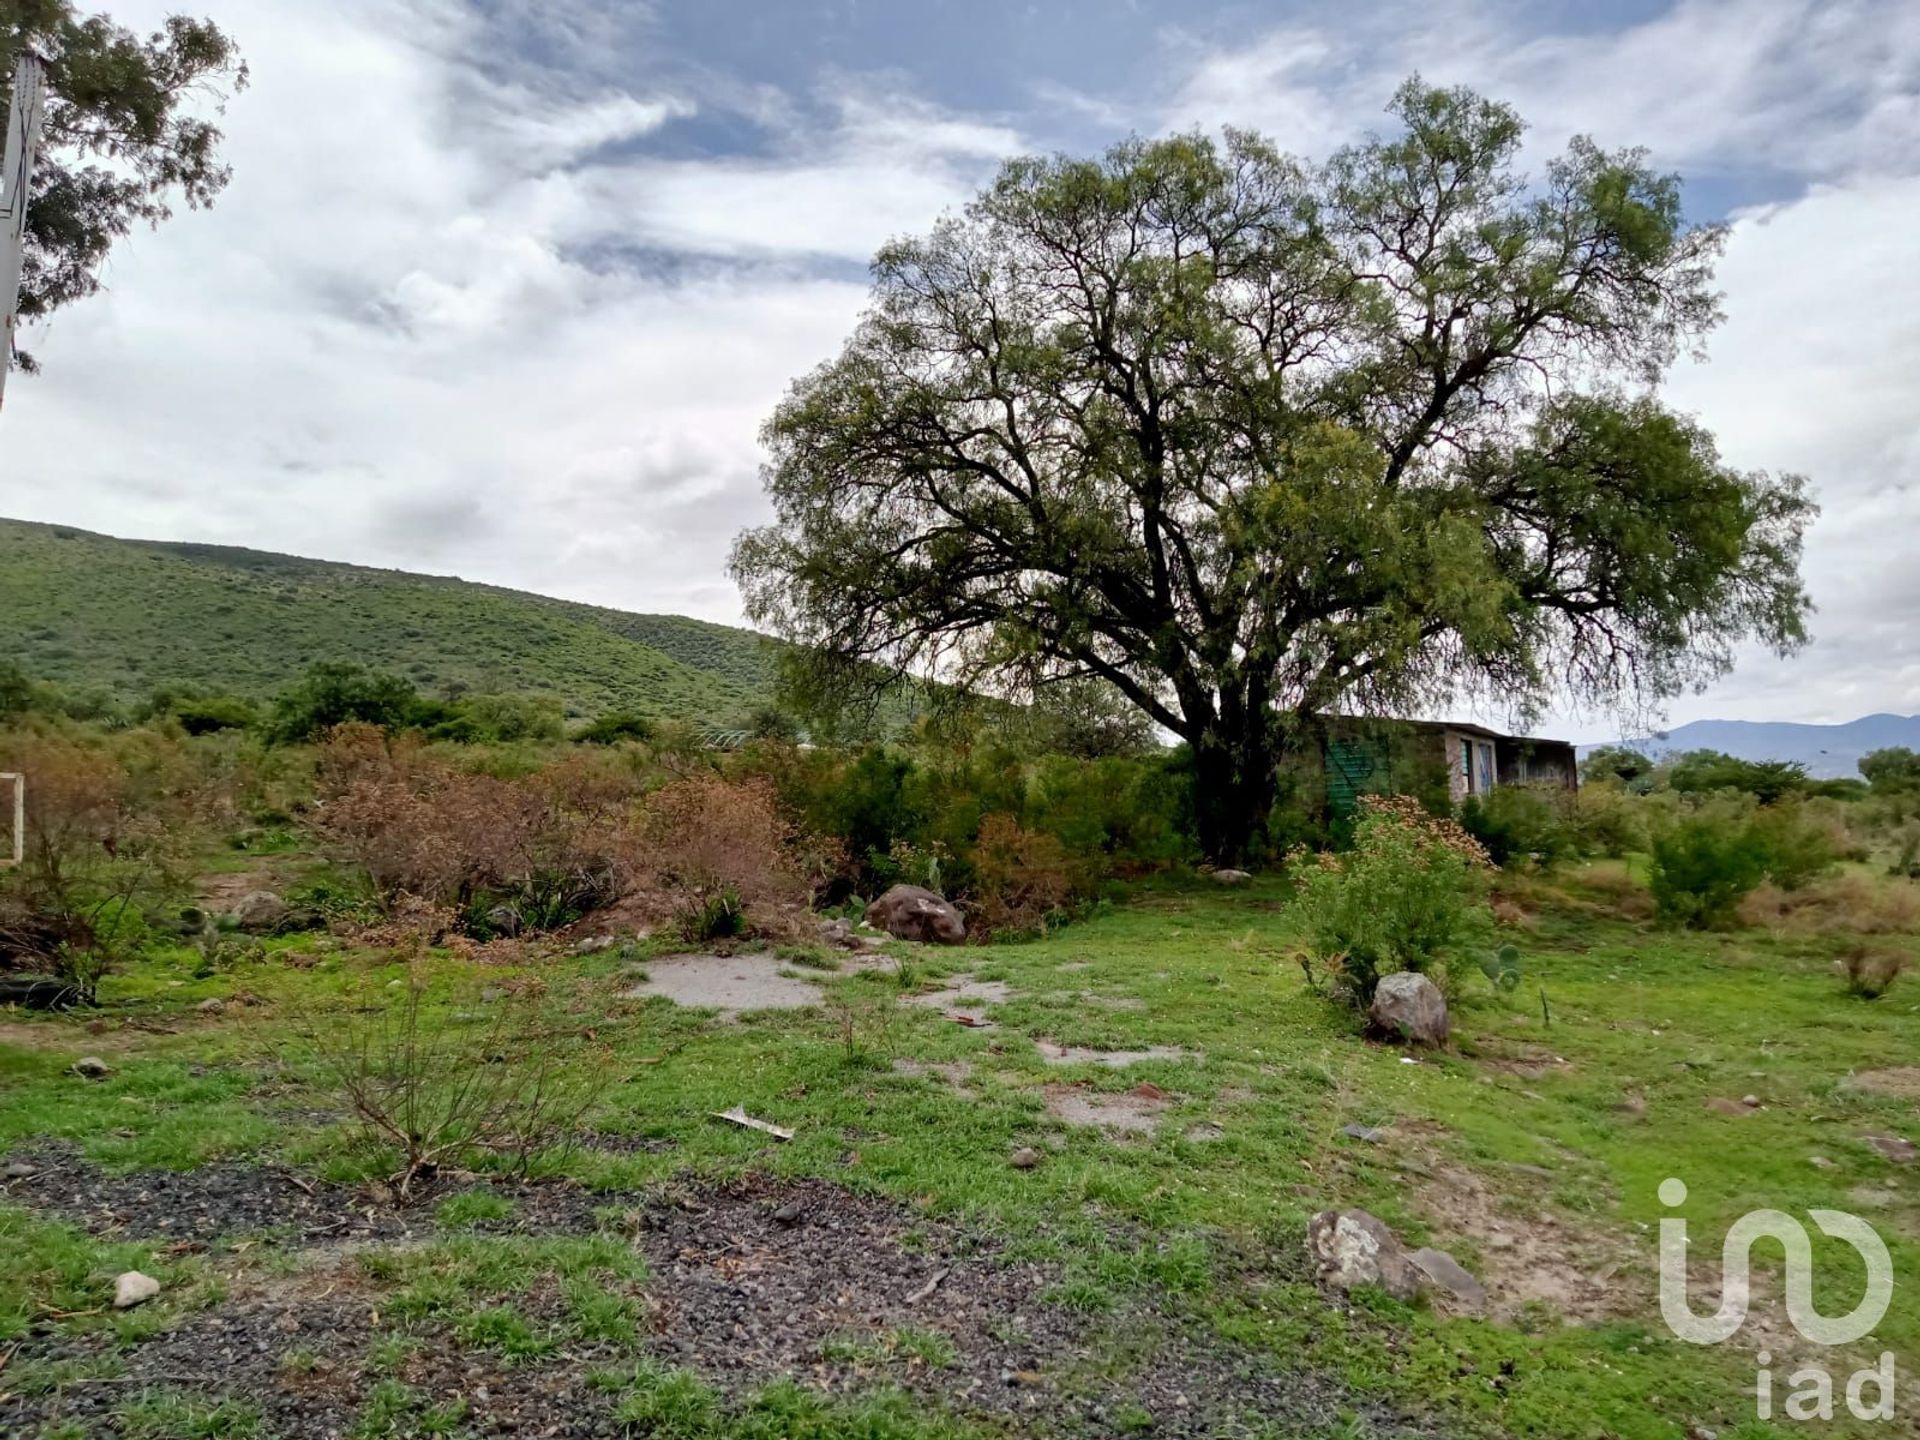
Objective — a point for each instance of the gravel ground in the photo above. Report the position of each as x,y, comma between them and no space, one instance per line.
749,1282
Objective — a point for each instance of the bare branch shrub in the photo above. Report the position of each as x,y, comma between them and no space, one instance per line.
1870,973
438,1092
1021,877
705,843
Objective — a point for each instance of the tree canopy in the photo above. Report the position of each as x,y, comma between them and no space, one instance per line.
120,144
1250,440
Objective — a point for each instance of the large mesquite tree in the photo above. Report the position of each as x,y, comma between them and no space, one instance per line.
1250,441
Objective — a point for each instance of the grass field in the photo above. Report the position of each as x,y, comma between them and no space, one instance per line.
121,616
677,1275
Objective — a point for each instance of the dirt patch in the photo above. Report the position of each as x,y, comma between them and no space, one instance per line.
731,984
1056,1054
964,992
748,1282
1529,1256
1129,1114
1902,1082
954,1074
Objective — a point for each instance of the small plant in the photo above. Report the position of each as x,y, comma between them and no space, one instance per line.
437,1093
1502,967
716,916
1703,866
1871,973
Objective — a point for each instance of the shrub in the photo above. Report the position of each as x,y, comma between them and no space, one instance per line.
1871,973
1021,878
333,694
1799,846
1395,901
1606,820
616,726
705,841
436,1092
1519,822
1704,865
1700,772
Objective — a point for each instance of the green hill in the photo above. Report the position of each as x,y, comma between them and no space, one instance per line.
90,612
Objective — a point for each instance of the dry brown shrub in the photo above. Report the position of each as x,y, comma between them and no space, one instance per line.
1021,877
1847,903
703,839
1871,972
1408,811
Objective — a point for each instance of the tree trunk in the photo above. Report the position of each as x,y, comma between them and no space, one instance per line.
1233,793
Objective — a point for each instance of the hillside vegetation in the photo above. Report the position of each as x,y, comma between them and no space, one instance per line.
124,616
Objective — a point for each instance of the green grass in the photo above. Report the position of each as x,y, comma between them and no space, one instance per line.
94,613
1530,1111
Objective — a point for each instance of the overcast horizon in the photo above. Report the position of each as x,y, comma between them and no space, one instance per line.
504,290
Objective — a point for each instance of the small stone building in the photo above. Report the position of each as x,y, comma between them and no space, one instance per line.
1426,757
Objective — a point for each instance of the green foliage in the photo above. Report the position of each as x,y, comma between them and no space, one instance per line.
121,98
1895,769
1700,772
1797,846
1616,762
1703,866
719,916
1395,901
112,619
1069,438
334,693
616,726
1520,822
1502,967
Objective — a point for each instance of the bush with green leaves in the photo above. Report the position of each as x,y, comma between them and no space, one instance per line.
1701,772
1520,822
1397,900
1704,864
1800,847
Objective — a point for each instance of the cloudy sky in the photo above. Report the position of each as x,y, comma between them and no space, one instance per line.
503,289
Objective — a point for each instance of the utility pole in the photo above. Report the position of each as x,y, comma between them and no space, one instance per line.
16,183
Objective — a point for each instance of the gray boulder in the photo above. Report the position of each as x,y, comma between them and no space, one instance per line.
1351,1248
1410,1007
260,912
908,912
1445,1278
1231,877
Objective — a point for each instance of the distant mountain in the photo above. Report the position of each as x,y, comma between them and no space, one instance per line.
1830,752
123,616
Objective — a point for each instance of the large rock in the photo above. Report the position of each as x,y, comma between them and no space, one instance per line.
133,1288
907,912
1445,1278
260,912
1410,1007
1351,1248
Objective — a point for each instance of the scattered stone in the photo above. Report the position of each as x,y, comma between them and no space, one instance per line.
789,1214
211,1006
1633,1105
1365,1133
1894,1147
839,932
1231,877
594,944
909,912
1410,1007
1025,1158
18,1170
260,912
1351,1248
91,1067
133,1288
1701,1432
1442,1275
1205,1132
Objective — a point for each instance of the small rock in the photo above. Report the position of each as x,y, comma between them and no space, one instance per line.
1443,1275
1633,1105
91,1067
1352,1248
1231,877
1820,1162
593,944
1363,1132
1752,1102
1701,1432
1896,1148
1408,1006
789,1214
133,1288
18,1170
212,1006
1025,1158
260,912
